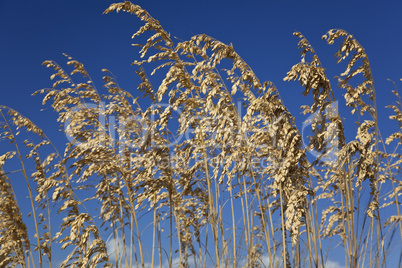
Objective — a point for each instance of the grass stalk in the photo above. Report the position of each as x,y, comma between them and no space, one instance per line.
31,198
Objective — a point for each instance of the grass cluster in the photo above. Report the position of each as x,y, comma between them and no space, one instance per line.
219,182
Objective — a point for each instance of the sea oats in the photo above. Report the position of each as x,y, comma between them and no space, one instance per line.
230,180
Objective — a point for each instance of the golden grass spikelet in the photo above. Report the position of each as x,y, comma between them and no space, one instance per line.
14,238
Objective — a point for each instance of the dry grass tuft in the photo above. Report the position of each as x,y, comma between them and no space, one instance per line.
233,184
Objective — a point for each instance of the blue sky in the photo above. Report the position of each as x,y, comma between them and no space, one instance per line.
260,31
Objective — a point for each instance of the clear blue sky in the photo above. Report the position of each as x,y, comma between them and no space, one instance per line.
260,31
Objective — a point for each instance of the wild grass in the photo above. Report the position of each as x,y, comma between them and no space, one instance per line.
199,179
